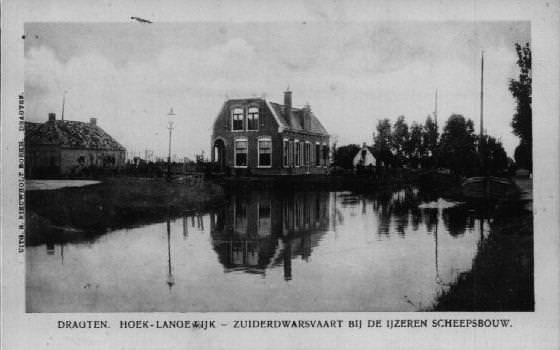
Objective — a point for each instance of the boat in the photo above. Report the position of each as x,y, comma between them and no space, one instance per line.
489,188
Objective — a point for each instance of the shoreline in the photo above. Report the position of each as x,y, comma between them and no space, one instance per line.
86,212
502,275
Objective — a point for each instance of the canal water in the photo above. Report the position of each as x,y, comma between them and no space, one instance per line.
266,251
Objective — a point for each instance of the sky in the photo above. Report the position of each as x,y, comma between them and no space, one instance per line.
352,74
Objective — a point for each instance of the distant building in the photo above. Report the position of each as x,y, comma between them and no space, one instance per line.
254,136
64,147
364,157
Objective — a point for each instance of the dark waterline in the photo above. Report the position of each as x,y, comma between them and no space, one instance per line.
266,251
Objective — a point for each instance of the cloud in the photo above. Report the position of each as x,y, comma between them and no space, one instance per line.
351,74
131,101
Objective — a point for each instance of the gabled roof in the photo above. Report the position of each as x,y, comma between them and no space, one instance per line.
369,148
293,122
70,134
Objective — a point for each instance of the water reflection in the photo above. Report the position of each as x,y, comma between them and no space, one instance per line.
170,277
259,230
274,251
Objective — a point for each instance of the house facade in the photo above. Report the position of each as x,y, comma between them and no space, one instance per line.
255,136
64,147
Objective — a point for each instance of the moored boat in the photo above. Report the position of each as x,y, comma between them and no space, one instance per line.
489,188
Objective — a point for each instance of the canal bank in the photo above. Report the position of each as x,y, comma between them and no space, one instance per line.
501,278
75,212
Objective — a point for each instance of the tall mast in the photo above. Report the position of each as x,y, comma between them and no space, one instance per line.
481,147
481,94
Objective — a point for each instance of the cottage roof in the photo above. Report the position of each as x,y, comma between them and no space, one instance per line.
70,134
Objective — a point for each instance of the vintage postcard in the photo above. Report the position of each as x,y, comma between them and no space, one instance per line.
283,174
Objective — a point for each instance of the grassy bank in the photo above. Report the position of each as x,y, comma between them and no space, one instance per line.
502,275
114,203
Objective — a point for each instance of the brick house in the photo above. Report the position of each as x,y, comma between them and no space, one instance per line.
64,147
254,136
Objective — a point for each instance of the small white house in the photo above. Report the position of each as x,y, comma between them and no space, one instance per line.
364,157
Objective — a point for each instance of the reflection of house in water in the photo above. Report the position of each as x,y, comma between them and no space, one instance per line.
259,230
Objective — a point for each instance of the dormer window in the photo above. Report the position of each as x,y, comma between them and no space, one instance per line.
253,118
237,119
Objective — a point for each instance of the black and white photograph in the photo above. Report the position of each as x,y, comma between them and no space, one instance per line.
337,174
278,167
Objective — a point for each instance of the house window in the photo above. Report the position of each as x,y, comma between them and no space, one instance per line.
265,152
306,153
317,154
237,119
325,155
241,149
253,118
297,152
291,153
285,153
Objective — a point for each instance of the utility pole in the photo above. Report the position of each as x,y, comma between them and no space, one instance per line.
435,111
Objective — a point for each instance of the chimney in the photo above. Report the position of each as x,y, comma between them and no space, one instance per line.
288,103
52,117
306,115
93,121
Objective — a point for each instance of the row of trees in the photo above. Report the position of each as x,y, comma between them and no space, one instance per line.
398,145
458,148
421,146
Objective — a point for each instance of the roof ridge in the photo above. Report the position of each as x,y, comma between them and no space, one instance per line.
72,133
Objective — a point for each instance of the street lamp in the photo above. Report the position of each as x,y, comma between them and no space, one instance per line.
170,120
